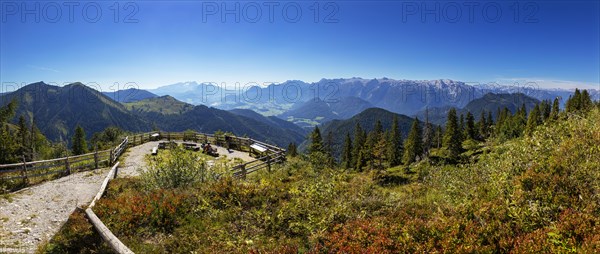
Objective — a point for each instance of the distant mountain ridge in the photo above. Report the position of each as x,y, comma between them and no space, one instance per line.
367,120
130,95
58,110
489,102
163,104
400,96
317,111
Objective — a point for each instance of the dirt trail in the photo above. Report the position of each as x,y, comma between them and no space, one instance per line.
35,214
32,215
134,159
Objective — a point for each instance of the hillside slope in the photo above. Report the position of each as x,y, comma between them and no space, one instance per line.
58,110
129,95
367,120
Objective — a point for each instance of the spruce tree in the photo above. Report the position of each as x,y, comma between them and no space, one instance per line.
79,143
316,141
328,148
555,110
438,136
368,149
470,126
452,141
378,129
379,152
413,146
395,144
359,141
23,138
428,134
347,152
534,119
292,150
545,110
585,101
490,123
8,142
461,128
483,125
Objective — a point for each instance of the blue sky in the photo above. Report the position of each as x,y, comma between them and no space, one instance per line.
554,43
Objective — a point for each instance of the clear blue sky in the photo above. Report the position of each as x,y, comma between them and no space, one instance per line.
555,43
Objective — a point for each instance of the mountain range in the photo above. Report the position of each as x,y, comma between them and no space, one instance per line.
56,111
278,114
408,97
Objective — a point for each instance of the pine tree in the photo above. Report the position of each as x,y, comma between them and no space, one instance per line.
329,150
482,126
452,141
378,129
428,134
534,119
490,124
347,152
360,138
555,110
395,144
585,101
438,136
470,126
316,142
8,143
79,143
413,146
461,128
368,149
574,102
292,150
545,109
379,152
23,138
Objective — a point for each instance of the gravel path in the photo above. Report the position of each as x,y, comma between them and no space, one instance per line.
32,215
134,158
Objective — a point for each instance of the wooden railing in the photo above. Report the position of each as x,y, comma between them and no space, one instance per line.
39,171
114,242
274,154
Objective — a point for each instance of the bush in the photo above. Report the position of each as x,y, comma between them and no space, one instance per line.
178,168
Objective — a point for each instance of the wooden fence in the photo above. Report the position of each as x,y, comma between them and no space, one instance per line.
274,154
38,171
26,173
105,233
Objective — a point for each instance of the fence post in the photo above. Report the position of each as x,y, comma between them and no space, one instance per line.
244,171
168,136
24,172
67,166
96,157
269,163
110,158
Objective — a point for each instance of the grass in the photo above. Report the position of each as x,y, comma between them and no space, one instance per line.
536,194
76,236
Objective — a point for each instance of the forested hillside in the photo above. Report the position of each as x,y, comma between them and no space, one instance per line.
488,192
